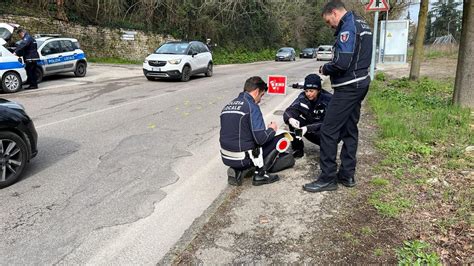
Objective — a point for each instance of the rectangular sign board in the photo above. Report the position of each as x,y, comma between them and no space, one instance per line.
276,84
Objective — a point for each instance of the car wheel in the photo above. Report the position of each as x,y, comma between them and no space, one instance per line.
81,69
39,74
294,58
186,75
11,82
209,70
13,158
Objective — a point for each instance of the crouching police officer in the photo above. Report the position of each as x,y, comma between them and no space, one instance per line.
306,114
28,49
245,140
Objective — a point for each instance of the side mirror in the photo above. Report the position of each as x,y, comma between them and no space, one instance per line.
194,54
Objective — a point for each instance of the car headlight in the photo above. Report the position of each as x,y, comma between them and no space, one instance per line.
174,61
145,62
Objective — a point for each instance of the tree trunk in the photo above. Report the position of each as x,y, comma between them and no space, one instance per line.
61,14
419,39
463,88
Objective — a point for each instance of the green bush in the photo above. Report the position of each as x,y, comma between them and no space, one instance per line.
241,55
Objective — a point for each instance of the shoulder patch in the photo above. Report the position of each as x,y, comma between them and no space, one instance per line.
344,36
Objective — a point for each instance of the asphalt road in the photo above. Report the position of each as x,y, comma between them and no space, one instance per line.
125,165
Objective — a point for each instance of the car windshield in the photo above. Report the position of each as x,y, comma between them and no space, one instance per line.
308,50
325,48
39,43
172,48
4,33
284,50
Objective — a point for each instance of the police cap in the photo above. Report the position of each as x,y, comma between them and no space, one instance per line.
312,81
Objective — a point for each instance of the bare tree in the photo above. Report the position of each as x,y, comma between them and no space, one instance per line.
419,39
60,12
463,89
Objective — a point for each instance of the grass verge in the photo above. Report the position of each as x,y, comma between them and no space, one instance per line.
437,51
425,178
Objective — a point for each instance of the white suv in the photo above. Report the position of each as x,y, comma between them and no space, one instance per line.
178,60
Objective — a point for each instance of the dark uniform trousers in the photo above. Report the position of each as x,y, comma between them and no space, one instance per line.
340,123
30,67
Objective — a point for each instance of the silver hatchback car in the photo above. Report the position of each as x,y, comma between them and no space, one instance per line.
285,54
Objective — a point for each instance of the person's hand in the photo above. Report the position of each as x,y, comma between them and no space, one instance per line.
293,122
304,130
273,125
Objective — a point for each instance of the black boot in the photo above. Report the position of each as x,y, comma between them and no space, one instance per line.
234,177
320,186
263,178
346,181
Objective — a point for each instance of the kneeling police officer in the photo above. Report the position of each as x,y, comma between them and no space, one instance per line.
306,114
245,140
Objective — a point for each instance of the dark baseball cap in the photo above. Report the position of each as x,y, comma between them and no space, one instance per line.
312,81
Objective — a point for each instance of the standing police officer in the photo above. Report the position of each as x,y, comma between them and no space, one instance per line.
246,141
348,71
306,113
29,50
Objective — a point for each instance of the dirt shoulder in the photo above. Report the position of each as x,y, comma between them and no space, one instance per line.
280,223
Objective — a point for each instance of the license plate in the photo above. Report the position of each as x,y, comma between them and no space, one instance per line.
157,69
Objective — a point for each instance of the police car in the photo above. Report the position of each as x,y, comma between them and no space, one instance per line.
60,55
12,71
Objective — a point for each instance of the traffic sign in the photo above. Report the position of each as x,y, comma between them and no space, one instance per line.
277,85
377,5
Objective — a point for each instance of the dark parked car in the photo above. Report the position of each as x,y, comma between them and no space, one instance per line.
308,53
285,54
18,140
